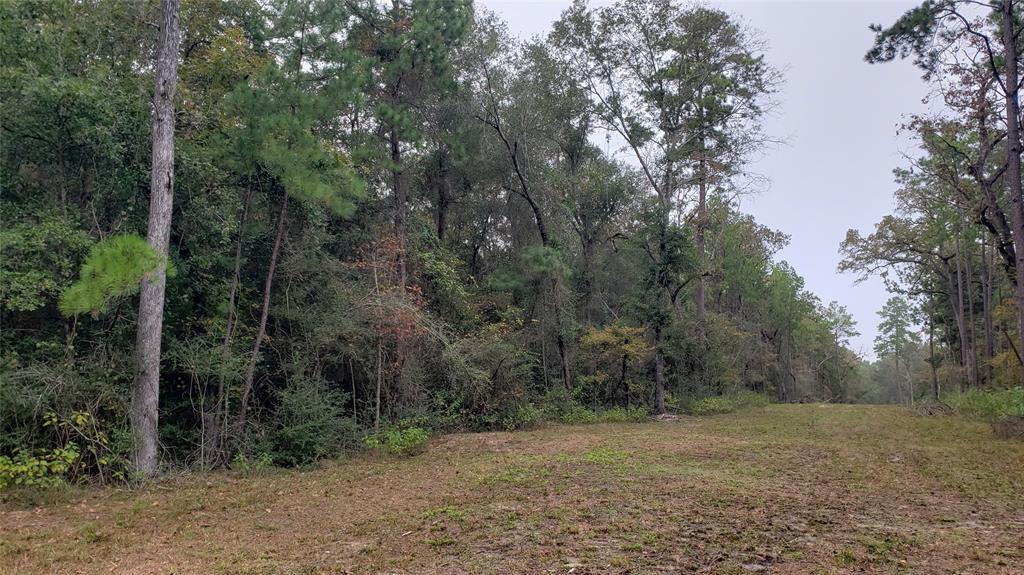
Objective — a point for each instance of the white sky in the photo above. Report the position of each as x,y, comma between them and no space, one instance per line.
839,116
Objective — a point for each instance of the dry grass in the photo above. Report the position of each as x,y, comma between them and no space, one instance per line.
786,489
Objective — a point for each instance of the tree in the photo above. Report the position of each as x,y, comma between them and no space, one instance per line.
146,396
895,336
842,327
284,112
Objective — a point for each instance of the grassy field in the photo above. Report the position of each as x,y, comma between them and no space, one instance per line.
784,489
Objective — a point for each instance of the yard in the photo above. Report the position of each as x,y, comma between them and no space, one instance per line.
783,489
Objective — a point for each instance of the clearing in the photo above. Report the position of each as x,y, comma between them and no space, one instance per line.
784,489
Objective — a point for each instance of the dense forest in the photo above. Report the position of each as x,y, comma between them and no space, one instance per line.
275,230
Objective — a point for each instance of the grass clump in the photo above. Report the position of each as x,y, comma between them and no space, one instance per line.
449,511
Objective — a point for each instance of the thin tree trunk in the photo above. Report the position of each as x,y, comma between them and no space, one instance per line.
380,382
401,201
563,352
146,393
222,409
261,331
899,383
401,192
931,357
972,377
966,345
444,195
699,295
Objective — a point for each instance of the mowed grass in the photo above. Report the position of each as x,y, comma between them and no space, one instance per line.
785,489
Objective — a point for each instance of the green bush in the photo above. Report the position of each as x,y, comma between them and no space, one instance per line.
45,470
988,405
398,441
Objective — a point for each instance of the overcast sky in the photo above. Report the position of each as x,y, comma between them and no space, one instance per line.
840,117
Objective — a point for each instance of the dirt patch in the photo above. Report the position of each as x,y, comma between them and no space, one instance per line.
1009,428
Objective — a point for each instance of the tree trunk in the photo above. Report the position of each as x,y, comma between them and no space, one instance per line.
146,392
931,357
222,409
261,331
587,273
899,384
401,193
401,201
957,301
1013,153
972,376
699,297
659,374
444,195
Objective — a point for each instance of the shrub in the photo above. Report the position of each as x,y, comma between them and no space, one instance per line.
524,416
727,403
623,415
308,424
576,415
398,441
712,405
252,464
45,470
988,405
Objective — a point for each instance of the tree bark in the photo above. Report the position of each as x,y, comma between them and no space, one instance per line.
146,393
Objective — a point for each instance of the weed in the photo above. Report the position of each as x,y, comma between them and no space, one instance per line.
90,532
449,511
